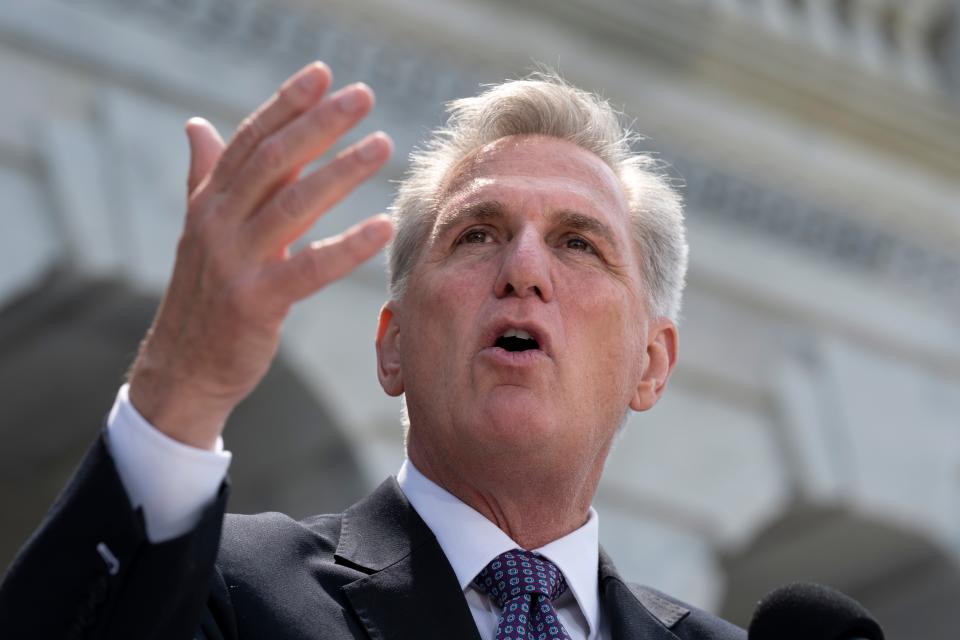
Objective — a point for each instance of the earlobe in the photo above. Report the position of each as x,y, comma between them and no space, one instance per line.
662,345
389,371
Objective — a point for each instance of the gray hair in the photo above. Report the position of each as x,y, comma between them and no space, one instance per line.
544,104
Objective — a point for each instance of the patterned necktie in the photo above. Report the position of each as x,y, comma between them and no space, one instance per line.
524,586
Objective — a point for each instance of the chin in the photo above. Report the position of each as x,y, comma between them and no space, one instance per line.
516,417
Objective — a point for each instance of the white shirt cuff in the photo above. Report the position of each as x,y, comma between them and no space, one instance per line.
172,482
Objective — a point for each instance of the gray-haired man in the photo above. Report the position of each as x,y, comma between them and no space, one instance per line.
535,278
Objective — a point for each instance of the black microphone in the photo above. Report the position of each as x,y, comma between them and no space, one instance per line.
808,611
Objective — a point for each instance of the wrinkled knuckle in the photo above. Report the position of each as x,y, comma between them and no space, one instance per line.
320,116
271,155
354,248
290,202
315,271
358,162
349,163
295,96
210,219
248,132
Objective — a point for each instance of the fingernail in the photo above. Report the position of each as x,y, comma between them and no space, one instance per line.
370,149
351,99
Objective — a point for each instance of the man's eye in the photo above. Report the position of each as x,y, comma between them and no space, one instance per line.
474,236
579,244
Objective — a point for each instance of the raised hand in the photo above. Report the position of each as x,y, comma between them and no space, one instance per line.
234,279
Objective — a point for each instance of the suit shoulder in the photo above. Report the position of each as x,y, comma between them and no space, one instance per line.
266,540
274,572
692,623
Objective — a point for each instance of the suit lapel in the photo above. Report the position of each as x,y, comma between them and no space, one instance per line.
411,590
635,613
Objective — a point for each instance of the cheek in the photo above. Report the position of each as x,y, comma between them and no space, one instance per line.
605,325
595,300
444,322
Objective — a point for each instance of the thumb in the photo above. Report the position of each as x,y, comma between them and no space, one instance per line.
206,145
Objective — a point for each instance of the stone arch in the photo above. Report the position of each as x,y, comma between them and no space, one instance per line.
904,577
66,345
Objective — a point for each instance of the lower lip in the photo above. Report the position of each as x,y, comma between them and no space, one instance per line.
514,358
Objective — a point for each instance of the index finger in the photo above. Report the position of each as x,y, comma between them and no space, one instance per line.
295,96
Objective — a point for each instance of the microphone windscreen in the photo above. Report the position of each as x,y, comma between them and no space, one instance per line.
807,611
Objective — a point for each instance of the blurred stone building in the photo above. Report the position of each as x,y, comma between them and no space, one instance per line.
811,430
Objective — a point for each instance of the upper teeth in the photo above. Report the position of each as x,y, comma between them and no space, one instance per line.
517,333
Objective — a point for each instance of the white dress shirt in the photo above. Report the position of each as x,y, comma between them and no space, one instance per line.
174,482
470,542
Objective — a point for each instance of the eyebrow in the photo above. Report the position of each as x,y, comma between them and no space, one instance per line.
477,212
584,224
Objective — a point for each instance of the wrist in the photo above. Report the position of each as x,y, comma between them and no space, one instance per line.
178,410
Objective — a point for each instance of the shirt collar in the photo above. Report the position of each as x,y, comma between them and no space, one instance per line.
470,541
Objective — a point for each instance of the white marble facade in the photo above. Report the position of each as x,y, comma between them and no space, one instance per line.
813,420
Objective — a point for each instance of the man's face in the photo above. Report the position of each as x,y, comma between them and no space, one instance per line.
524,327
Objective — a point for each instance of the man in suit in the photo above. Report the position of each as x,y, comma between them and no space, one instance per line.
535,274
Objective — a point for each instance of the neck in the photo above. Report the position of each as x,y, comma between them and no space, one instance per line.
535,506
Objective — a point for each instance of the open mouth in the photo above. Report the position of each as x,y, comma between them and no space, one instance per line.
516,340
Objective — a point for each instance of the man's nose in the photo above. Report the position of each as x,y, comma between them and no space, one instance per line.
525,270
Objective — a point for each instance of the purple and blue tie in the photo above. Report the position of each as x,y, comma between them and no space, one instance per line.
524,586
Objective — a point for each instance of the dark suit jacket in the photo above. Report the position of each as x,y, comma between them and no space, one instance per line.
375,571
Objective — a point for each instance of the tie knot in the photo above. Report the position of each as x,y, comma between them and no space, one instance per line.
517,573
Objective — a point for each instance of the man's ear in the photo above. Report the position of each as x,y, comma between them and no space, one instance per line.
388,351
662,344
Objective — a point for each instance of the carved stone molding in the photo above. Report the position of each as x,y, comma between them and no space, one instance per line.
406,77
913,41
715,193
